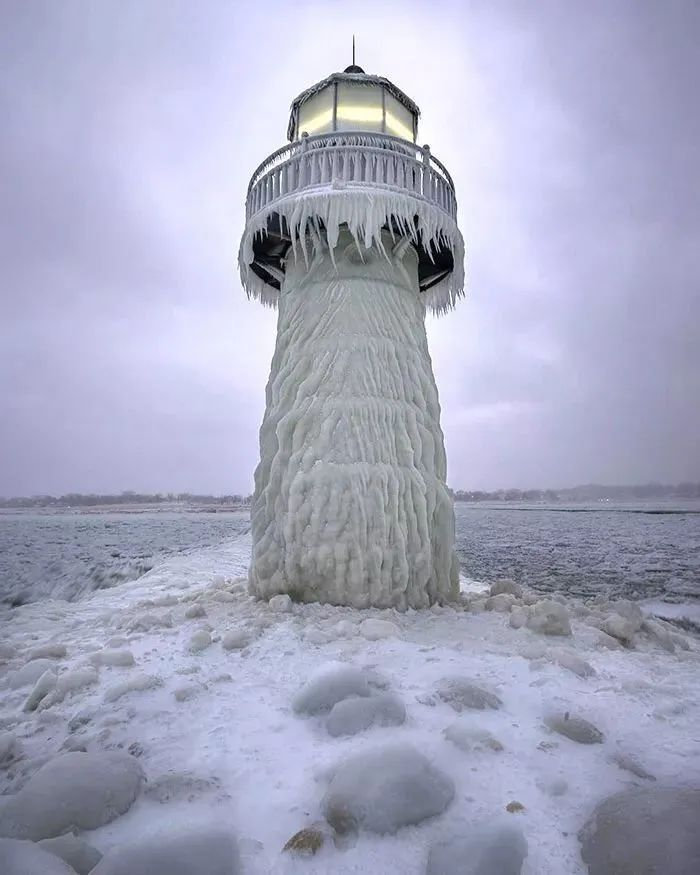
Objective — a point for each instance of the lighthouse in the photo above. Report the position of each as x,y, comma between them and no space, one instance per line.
351,234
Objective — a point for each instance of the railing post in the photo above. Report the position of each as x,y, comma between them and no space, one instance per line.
303,160
426,171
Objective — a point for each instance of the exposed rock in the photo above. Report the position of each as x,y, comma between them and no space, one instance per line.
134,684
179,787
575,728
515,807
501,603
549,618
281,604
72,791
45,685
30,673
461,693
650,831
355,715
199,641
26,858
49,651
506,586
374,630
206,852
307,841
383,789
493,849
471,738
236,639
331,684
195,611
81,856
631,764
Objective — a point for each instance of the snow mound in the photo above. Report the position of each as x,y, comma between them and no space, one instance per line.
209,852
374,630
355,715
25,858
384,789
549,618
644,832
78,854
471,738
495,849
121,658
330,685
135,684
73,791
49,651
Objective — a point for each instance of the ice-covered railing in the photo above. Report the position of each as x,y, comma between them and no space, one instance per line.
351,160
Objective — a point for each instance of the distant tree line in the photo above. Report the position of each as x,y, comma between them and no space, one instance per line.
76,499
591,492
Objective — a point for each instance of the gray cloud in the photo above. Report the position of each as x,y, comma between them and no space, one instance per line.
130,357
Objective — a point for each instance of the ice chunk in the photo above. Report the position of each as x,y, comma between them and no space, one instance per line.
179,786
134,684
9,747
74,851
199,641
549,618
117,658
30,673
26,858
188,852
506,586
575,728
70,682
568,660
383,789
355,715
236,639
331,684
492,849
195,611
518,617
146,622
620,628
644,832
45,685
471,738
374,630
49,651
281,604
72,791
462,693
501,603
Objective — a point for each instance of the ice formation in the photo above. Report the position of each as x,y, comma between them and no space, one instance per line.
351,505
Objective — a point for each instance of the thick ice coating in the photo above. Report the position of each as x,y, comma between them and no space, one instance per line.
350,504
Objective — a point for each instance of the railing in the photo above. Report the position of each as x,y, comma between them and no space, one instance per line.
351,160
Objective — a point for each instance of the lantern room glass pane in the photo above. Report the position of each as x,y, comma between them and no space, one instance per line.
316,113
359,107
399,119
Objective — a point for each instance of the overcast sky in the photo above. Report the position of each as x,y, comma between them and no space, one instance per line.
130,357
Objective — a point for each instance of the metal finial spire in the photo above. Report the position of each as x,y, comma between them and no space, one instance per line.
353,50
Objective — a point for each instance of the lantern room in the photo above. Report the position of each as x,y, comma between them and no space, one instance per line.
354,101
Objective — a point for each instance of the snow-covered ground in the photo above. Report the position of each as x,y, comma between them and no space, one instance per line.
220,721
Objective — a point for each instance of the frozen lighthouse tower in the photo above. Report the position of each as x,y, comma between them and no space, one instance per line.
351,233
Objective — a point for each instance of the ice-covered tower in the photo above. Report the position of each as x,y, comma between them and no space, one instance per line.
351,233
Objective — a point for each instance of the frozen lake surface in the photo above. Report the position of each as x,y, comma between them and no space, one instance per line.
640,551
